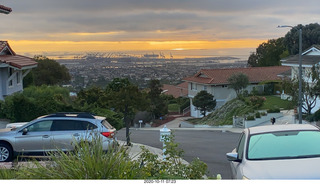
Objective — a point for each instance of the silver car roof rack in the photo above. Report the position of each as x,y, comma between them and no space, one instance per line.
72,114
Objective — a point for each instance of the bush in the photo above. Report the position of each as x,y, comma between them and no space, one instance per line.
172,167
257,101
258,115
250,118
254,91
274,110
173,108
263,114
91,162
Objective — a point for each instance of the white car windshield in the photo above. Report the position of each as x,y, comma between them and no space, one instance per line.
284,145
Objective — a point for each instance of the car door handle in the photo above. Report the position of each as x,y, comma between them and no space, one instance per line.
45,136
76,135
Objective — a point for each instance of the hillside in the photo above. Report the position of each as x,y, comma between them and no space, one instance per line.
223,115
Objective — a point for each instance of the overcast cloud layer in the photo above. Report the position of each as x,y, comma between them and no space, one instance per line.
162,20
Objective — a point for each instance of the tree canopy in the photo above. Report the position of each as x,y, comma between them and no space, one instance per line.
158,106
271,52
238,81
204,102
268,53
310,36
48,72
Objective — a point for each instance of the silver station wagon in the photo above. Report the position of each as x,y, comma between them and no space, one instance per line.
52,132
277,152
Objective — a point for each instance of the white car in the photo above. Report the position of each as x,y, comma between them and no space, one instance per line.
289,151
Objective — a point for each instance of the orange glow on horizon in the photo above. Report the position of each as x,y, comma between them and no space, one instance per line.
30,46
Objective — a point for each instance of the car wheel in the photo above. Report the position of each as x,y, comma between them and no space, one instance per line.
5,153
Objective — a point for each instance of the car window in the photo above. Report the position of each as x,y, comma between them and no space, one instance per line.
67,125
40,126
284,145
240,147
106,124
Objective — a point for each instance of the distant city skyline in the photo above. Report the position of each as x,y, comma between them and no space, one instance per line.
210,27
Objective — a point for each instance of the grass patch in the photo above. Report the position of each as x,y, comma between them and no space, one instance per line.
273,102
174,108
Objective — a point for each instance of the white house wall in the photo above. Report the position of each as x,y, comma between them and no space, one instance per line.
16,85
5,88
3,82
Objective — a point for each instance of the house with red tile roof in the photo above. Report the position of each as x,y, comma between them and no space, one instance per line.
215,81
180,90
13,68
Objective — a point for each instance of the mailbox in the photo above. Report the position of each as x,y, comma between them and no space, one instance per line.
164,133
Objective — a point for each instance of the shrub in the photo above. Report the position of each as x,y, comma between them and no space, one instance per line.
257,101
172,167
92,162
263,114
254,91
274,110
89,162
250,118
258,115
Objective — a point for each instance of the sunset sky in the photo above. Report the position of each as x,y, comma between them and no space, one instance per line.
209,27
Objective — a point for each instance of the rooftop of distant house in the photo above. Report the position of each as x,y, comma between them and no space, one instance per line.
255,74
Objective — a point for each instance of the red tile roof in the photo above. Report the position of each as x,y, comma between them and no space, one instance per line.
18,61
14,60
220,76
4,9
176,91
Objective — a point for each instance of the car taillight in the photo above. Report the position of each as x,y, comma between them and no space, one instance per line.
108,134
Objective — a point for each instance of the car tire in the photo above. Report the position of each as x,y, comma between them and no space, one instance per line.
6,152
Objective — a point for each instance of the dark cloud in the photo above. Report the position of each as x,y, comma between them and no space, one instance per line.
154,19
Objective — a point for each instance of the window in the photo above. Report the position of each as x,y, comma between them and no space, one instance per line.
18,78
193,86
69,125
106,124
284,145
10,74
40,126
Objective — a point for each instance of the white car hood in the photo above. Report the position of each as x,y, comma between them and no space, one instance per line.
305,168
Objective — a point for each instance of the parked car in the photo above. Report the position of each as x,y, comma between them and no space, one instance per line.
289,151
52,132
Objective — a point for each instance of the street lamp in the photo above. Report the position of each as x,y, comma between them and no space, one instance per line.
300,72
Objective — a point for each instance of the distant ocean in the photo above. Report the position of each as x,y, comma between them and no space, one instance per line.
240,54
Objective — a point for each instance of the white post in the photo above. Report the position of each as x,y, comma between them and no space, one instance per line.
140,121
164,135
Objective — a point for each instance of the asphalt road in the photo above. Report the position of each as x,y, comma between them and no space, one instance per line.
209,146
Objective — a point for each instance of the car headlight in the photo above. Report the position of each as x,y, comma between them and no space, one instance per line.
245,178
